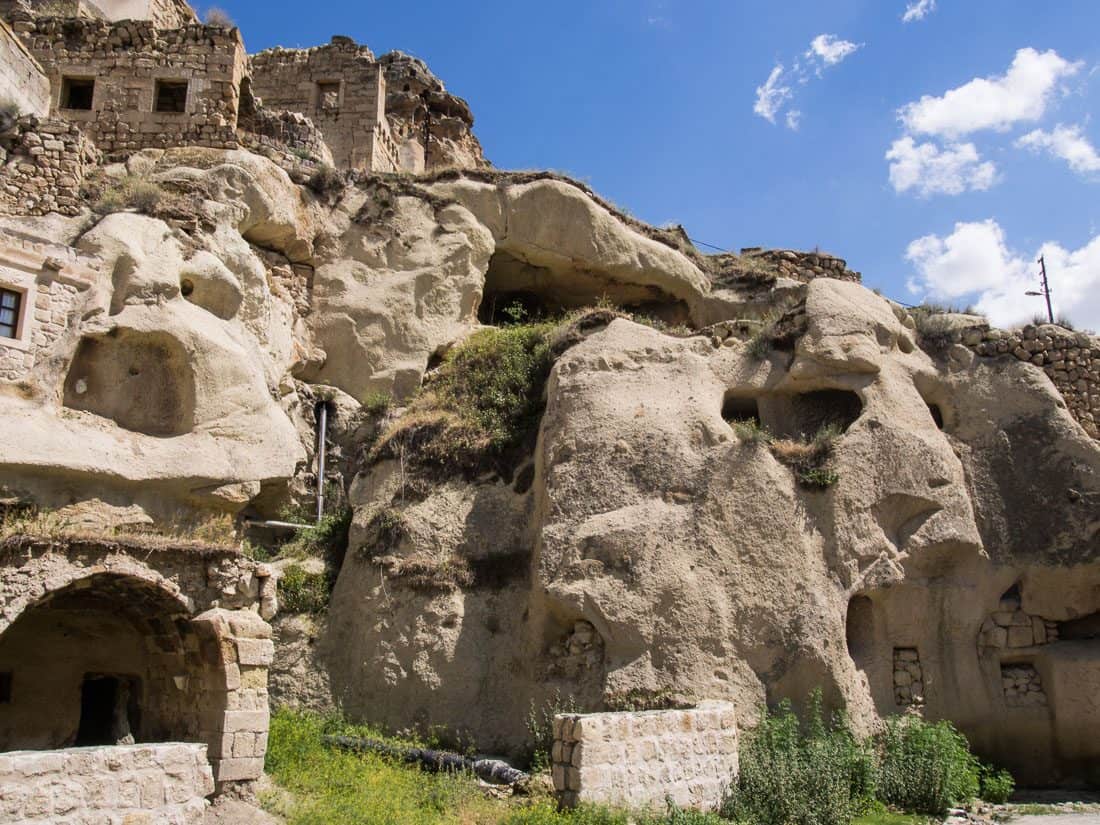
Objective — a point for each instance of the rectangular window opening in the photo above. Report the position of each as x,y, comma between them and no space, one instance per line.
5,687
77,93
171,96
328,95
11,302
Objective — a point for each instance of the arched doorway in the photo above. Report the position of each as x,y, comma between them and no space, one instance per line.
104,660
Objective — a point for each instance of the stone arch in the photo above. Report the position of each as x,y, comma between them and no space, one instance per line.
87,637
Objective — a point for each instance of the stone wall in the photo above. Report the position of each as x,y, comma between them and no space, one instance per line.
908,677
128,61
1071,360
186,626
23,82
340,88
165,784
284,132
640,759
803,266
50,277
43,164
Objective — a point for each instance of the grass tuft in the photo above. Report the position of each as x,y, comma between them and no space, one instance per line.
130,192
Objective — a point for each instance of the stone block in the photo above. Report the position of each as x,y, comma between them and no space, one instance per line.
1020,636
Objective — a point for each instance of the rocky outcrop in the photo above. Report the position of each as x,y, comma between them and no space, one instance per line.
746,483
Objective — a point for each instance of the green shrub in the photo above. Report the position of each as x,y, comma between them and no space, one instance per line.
485,399
997,785
540,728
795,774
750,431
925,767
303,592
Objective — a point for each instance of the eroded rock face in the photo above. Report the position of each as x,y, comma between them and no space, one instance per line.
695,563
936,547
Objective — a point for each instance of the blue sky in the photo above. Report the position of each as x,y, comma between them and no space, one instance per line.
652,102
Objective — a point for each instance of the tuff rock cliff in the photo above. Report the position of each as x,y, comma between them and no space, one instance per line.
744,479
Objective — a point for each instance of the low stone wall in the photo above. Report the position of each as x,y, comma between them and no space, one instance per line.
1071,360
640,759
162,783
283,131
804,266
43,164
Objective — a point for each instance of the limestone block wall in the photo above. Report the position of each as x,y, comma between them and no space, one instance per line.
908,677
162,783
1071,360
23,82
43,164
639,759
50,278
126,60
284,132
339,87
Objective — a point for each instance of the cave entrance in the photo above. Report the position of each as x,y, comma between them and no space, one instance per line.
109,711
1085,628
519,291
741,408
859,630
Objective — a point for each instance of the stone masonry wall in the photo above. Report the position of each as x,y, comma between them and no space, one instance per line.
804,266
339,87
164,784
50,278
1071,360
23,82
43,164
639,759
126,60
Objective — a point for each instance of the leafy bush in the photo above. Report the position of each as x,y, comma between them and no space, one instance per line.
925,767
794,774
540,728
303,592
484,400
750,431
997,785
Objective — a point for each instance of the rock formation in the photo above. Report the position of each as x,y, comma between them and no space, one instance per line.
750,476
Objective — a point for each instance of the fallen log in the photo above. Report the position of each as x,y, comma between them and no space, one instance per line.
493,771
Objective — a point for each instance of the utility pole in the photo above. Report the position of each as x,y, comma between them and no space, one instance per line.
1046,288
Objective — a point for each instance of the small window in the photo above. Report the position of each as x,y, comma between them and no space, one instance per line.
328,95
77,93
11,303
5,688
171,96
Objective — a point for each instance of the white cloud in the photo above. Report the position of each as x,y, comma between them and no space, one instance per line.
1067,143
778,90
974,263
771,97
918,10
831,49
1021,94
930,170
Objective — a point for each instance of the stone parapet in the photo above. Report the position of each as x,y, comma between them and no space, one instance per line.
1070,359
641,759
803,266
162,783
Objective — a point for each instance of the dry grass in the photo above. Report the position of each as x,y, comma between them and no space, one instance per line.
428,573
217,533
